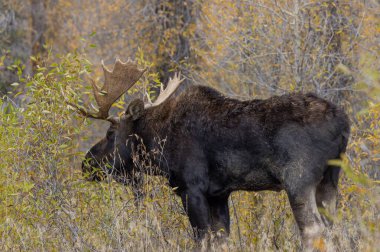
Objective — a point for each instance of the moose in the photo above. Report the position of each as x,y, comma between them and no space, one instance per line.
215,145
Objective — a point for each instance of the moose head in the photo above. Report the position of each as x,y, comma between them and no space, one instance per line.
112,154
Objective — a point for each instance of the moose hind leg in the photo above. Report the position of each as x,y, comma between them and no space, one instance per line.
326,194
304,207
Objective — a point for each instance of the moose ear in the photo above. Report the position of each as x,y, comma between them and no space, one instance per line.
135,109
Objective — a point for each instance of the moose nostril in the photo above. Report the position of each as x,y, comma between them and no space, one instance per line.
87,169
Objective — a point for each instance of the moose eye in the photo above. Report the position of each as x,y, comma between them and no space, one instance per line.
109,134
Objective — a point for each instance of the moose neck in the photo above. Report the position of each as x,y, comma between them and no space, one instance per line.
151,128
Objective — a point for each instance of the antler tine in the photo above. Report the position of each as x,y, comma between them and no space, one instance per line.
81,110
171,87
116,82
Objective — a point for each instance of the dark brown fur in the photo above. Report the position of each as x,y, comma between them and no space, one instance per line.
215,145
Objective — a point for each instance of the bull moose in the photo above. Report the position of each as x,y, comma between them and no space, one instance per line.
215,145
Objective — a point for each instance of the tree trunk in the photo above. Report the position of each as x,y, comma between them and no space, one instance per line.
336,81
175,17
38,15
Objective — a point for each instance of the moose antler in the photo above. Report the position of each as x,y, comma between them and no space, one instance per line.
116,82
171,87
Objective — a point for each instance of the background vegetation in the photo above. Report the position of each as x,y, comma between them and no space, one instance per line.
244,48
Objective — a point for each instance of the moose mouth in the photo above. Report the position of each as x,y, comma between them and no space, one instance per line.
93,170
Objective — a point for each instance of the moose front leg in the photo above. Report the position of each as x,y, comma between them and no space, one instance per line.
220,216
198,210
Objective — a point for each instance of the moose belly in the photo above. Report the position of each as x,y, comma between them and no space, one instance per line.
240,170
